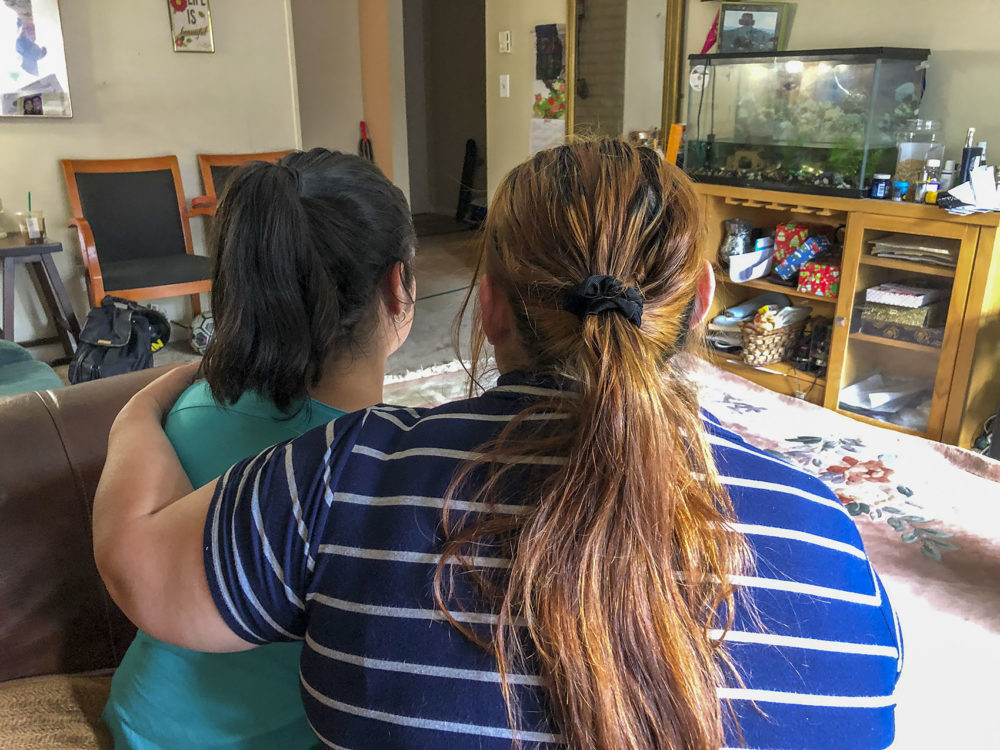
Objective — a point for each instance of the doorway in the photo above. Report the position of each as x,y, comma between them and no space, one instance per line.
444,46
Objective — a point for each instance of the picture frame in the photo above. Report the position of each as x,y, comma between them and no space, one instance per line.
754,27
191,25
34,82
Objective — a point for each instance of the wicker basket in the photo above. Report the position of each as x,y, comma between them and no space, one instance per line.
767,347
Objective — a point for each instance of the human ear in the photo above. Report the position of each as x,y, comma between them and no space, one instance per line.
495,312
704,294
397,295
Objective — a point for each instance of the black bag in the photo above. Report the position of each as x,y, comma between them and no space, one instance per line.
119,336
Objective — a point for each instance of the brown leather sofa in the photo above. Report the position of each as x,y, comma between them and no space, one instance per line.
61,636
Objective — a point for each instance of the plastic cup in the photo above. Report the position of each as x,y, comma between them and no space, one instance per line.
32,226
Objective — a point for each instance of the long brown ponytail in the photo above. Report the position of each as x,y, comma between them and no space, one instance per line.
621,568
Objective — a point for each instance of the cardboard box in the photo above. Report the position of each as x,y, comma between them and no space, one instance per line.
887,329
810,249
928,316
788,238
820,278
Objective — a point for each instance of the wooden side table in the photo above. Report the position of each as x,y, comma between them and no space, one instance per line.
13,250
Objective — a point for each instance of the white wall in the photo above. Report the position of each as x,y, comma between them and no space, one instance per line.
508,121
961,34
133,96
328,68
645,37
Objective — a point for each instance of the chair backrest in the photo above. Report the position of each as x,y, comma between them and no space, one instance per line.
216,169
135,207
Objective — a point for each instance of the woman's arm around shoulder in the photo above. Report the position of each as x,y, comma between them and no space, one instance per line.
148,527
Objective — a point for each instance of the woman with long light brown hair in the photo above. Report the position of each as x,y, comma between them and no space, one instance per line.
576,556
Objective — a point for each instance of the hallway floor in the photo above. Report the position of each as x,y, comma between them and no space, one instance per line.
443,266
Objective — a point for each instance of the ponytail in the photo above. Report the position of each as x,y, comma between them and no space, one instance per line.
621,567
300,247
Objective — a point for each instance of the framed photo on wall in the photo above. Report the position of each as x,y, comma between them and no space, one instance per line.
754,27
191,25
33,82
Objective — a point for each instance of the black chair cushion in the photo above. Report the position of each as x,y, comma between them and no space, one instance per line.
220,177
147,272
133,214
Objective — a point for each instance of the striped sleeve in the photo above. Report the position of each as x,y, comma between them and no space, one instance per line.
263,531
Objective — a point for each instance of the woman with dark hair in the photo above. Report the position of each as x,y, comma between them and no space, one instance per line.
311,293
575,557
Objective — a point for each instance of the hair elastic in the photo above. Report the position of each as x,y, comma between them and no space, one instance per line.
598,294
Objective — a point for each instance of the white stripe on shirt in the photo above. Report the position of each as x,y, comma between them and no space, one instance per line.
806,699
430,670
419,501
811,644
293,493
800,536
403,556
420,723
459,455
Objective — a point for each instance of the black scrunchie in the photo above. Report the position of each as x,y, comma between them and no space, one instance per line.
598,294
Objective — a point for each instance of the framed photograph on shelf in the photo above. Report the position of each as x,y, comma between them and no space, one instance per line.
191,25
754,27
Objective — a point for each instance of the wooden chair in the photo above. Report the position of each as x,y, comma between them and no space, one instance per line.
133,227
216,170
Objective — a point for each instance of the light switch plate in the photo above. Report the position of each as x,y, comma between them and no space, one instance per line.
504,86
504,42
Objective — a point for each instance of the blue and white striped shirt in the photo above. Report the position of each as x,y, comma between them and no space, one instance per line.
332,538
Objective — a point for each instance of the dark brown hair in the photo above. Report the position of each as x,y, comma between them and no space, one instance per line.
300,249
622,566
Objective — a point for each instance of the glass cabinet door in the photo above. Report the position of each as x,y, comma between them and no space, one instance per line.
898,320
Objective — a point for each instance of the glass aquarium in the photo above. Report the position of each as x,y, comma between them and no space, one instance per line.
816,121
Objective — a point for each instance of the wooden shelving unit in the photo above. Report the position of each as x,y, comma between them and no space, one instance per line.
908,265
768,286
963,375
780,376
899,344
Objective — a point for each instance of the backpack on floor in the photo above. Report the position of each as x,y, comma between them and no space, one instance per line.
118,336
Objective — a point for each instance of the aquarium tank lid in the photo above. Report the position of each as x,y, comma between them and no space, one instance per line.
849,54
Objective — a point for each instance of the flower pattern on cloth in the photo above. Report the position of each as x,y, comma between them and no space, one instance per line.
896,486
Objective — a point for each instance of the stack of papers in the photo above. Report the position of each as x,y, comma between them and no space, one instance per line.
915,248
977,195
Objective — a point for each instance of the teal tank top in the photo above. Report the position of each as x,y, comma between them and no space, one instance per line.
163,696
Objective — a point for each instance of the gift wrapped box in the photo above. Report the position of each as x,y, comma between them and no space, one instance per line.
819,278
888,329
787,239
810,249
904,295
928,316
